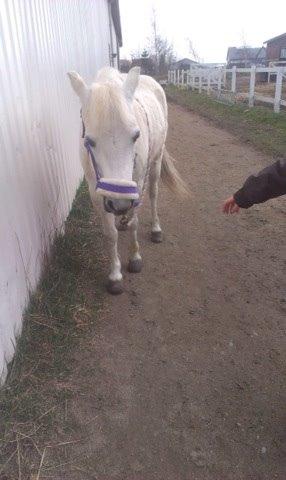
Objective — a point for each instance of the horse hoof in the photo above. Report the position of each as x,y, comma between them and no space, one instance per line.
156,237
135,266
115,287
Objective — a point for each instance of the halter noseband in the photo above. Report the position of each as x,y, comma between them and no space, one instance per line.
114,188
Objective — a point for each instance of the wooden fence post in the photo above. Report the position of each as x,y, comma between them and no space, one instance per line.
233,79
278,90
193,81
224,77
219,80
252,86
183,77
190,77
200,82
209,83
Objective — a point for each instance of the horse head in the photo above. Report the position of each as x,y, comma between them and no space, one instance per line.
110,134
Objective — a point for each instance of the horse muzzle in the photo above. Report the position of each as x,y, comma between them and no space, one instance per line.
119,195
117,207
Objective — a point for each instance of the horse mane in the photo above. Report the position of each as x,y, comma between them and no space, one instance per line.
108,108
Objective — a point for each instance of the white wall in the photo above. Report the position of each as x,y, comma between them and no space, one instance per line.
113,42
40,40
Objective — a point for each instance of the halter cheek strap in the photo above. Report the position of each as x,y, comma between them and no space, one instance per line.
91,156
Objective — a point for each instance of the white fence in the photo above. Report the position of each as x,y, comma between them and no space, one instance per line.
214,81
40,40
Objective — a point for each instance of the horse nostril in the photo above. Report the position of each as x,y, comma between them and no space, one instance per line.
110,204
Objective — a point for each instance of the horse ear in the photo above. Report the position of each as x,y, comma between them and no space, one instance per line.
131,82
79,85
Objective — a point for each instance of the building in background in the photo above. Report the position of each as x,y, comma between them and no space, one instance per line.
245,57
276,51
124,65
146,63
184,64
40,169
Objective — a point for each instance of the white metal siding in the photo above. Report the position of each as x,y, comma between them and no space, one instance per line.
40,40
114,47
114,61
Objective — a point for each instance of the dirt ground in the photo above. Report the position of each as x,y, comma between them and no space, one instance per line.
187,376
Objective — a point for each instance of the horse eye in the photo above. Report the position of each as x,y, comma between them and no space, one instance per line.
89,141
136,135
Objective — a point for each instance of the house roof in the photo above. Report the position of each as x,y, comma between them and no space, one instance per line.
275,38
115,12
185,60
212,64
245,53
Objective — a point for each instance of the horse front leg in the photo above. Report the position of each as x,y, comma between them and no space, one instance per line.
114,285
135,259
156,231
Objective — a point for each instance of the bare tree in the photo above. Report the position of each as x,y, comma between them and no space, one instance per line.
161,49
154,38
245,49
193,51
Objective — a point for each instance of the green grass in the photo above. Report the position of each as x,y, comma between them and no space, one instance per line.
34,404
259,126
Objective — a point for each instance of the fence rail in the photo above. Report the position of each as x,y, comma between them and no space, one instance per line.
222,83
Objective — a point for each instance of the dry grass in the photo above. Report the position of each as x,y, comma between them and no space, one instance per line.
261,88
35,402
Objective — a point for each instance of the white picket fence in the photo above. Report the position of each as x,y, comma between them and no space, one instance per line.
214,82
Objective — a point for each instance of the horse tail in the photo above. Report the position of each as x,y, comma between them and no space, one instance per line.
171,177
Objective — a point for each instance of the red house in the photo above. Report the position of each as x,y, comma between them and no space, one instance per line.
276,50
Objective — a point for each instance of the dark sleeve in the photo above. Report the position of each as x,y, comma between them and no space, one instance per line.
269,183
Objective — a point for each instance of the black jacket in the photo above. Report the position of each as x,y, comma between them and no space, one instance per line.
269,183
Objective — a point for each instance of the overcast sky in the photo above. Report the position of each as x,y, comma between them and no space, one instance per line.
211,25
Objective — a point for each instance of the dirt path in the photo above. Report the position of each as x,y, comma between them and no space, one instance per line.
186,377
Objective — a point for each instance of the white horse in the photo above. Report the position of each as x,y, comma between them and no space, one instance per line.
122,150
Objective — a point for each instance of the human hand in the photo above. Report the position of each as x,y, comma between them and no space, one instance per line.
229,206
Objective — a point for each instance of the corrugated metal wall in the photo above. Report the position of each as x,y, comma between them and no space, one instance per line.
40,40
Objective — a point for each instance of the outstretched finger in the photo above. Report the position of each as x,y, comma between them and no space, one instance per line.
226,206
234,208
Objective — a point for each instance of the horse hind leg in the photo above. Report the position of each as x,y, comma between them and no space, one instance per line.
135,259
155,172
